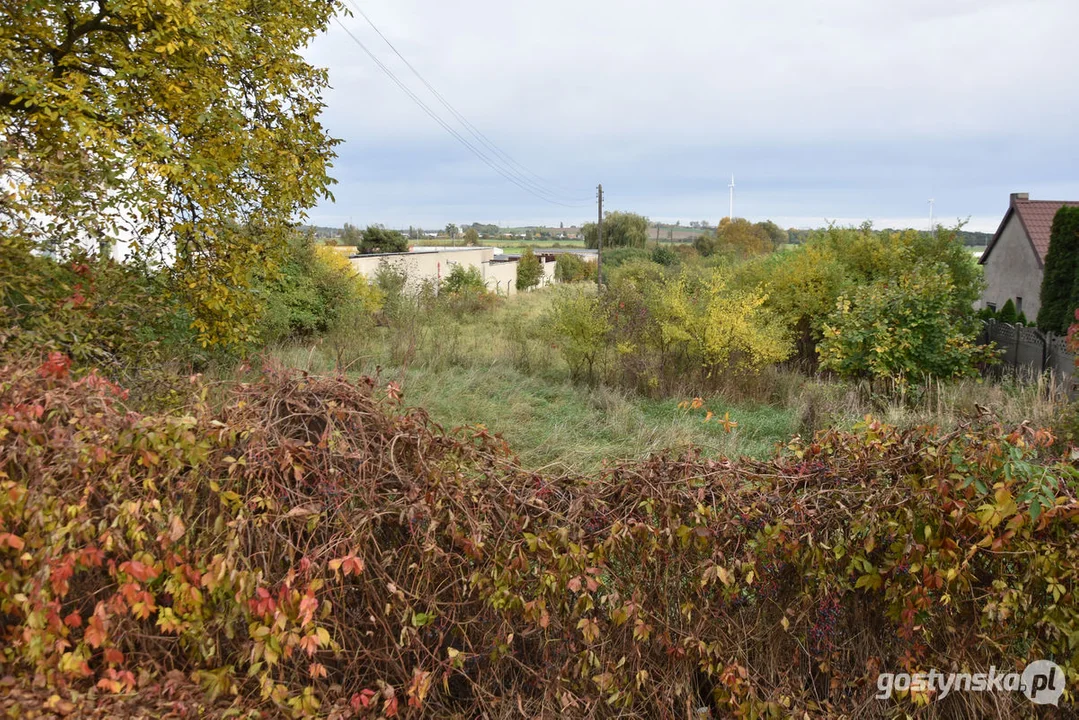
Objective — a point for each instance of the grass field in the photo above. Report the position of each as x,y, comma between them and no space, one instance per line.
497,368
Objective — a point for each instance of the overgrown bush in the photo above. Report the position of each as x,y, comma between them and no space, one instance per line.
315,545
114,316
464,280
570,267
902,327
314,291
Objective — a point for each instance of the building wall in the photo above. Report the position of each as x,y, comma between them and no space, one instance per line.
500,277
1012,271
422,266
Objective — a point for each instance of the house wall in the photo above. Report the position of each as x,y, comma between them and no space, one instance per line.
501,277
1011,271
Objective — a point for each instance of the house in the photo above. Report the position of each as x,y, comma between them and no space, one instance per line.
1014,261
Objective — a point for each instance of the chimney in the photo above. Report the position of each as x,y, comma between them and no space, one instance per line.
1020,196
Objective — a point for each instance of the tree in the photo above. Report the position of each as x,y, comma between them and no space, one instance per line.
620,229
378,239
451,231
472,237
529,271
1060,283
743,238
573,268
580,325
351,235
777,234
170,123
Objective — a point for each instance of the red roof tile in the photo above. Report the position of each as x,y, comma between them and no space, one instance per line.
1037,218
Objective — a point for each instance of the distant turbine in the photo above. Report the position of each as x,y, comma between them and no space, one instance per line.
931,201
731,216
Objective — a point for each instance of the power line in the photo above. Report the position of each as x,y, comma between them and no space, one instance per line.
540,183
519,182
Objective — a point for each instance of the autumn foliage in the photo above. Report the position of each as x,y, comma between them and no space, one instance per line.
315,546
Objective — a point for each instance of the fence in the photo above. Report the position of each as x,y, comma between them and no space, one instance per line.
1029,349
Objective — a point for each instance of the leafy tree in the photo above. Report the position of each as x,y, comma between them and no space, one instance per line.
777,234
172,123
351,235
620,229
463,280
1060,283
739,238
901,327
378,239
529,271
1007,313
472,237
451,231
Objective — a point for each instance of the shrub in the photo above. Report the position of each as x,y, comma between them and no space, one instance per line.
1007,313
464,280
318,546
529,271
570,267
313,291
663,255
579,324
905,327
115,316
1060,287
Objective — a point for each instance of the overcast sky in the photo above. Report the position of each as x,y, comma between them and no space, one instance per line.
822,109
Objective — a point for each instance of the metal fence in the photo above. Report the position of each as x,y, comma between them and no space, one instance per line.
1029,350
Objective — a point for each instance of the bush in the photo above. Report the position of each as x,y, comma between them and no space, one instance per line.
578,322
664,256
463,280
570,267
905,327
313,291
1060,287
529,271
1007,313
117,317
318,546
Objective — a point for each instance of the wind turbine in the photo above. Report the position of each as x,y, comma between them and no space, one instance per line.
931,202
731,216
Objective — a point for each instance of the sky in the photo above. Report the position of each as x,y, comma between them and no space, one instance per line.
823,110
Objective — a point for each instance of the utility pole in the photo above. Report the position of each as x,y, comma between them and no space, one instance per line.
599,241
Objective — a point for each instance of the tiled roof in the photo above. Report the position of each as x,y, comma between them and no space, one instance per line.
1037,218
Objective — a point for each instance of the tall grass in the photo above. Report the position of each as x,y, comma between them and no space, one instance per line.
498,368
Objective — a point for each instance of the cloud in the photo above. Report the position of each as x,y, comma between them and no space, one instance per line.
840,108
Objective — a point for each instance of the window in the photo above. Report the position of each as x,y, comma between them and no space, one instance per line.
991,306
1019,305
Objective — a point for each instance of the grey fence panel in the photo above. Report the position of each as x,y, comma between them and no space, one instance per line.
1029,349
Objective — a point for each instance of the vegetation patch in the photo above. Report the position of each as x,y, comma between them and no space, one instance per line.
316,546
